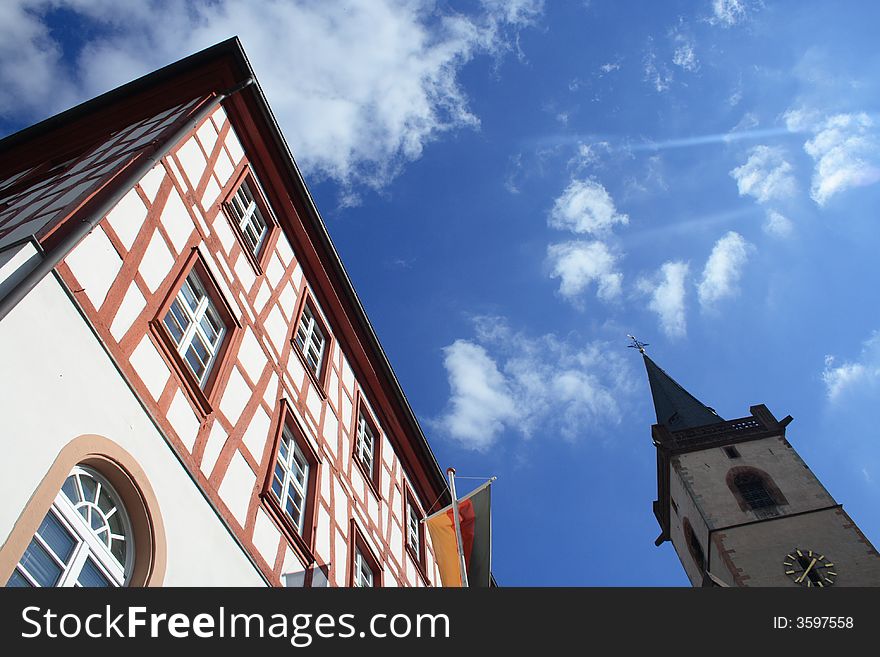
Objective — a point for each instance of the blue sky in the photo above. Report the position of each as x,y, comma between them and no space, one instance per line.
515,186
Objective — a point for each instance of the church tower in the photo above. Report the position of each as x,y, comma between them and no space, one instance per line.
740,506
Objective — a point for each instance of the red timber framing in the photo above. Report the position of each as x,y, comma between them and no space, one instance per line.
226,431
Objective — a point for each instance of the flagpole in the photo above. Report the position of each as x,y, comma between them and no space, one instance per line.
455,514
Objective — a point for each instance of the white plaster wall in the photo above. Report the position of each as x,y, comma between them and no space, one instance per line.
58,383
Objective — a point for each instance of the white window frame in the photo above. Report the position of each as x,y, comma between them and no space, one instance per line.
363,573
310,339
88,545
250,219
295,472
413,521
194,329
366,443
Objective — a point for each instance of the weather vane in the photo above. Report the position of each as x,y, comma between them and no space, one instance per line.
636,344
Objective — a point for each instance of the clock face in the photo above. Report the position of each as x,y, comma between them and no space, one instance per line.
809,568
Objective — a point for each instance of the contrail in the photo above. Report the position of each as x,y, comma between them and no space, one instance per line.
615,143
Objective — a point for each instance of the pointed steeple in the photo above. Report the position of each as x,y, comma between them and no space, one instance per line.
676,408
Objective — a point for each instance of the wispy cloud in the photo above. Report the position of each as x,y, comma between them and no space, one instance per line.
541,386
766,175
850,377
728,13
656,72
684,54
666,297
777,224
723,269
376,80
845,149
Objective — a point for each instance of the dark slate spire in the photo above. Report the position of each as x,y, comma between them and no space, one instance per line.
676,408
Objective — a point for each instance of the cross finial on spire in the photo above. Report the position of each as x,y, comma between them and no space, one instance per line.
636,344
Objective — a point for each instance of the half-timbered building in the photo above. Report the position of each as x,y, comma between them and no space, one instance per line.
191,391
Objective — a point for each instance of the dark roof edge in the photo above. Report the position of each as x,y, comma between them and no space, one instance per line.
231,46
349,290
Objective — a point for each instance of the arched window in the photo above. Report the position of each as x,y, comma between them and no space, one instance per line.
755,491
93,520
85,539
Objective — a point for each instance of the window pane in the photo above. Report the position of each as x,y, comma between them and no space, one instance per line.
89,488
91,576
174,328
117,548
18,581
39,565
195,364
189,294
211,325
70,490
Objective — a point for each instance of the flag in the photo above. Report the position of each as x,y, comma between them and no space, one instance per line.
476,538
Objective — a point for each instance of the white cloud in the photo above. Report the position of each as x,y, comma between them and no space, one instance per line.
578,264
359,87
861,376
766,175
609,67
666,292
801,119
723,269
728,12
481,403
506,380
778,224
845,151
585,207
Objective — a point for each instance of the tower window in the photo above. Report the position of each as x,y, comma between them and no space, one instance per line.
755,491
732,452
751,487
693,544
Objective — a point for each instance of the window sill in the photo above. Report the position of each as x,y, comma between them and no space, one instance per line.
369,477
301,545
419,564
